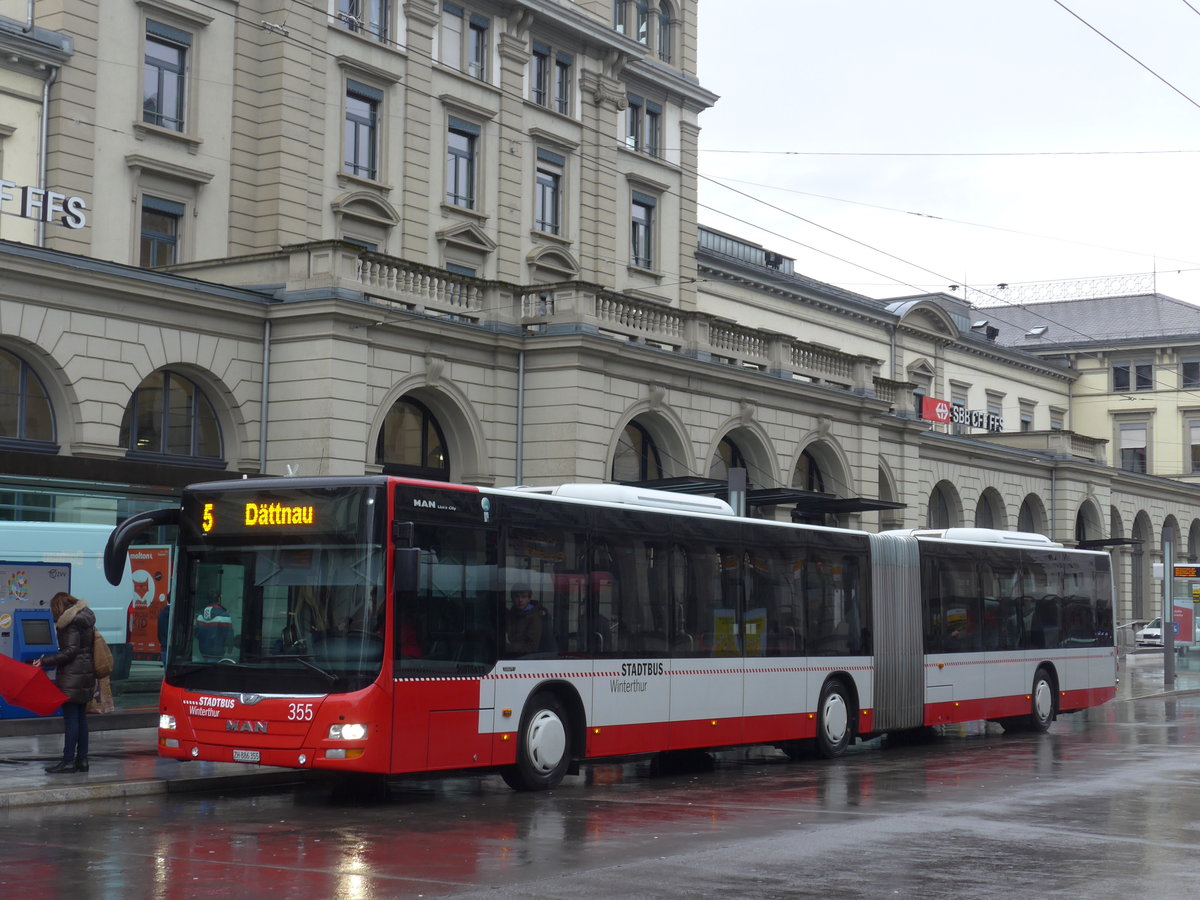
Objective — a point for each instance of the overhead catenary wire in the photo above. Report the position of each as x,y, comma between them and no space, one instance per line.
1097,31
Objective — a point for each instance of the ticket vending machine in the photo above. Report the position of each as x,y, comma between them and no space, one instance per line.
33,634
26,625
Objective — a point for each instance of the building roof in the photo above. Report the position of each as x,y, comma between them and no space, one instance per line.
1105,320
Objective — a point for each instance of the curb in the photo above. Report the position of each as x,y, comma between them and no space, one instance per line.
110,790
117,721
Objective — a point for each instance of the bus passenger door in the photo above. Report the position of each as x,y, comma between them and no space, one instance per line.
775,683
444,630
632,686
707,665
944,614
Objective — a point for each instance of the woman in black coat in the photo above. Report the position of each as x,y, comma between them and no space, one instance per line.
76,676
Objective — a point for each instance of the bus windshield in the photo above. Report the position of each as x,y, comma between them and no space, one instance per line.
279,611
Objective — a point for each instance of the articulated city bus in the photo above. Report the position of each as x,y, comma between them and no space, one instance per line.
388,625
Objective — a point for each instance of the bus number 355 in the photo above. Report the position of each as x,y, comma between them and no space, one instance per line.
300,712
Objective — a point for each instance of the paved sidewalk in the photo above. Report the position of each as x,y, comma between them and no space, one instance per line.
124,761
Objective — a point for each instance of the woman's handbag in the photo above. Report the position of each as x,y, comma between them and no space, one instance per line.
102,658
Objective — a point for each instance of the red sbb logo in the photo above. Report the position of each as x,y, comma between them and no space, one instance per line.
935,410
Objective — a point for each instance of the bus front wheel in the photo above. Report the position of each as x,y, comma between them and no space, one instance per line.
834,722
543,746
1041,702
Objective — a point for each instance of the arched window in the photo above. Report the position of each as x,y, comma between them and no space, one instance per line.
637,457
170,416
1029,518
665,15
621,14
808,475
939,509
729,456
25,411
642,11
411,443
985,513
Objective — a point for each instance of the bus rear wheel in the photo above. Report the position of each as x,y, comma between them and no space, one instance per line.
543,746
835,728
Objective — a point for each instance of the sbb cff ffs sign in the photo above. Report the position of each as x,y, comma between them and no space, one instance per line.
945,412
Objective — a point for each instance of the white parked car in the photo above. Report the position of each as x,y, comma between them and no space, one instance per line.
1151,635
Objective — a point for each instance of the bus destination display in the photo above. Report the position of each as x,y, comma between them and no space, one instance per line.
247,512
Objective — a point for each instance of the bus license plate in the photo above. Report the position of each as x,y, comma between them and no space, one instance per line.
245,756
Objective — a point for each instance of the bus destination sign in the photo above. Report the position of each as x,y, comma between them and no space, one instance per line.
259,515
304,511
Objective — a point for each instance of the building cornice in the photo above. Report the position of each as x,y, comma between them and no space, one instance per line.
33,51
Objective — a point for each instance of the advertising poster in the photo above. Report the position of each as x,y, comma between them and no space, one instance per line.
756,632
725,641
151,567
27,585
1184,627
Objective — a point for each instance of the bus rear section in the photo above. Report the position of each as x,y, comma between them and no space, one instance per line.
1014,629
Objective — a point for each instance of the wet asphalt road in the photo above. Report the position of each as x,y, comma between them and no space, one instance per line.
1104,806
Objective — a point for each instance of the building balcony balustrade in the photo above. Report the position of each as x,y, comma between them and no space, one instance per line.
573,307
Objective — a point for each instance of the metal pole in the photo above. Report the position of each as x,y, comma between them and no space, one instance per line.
1168,616
519,455
737,490
264,403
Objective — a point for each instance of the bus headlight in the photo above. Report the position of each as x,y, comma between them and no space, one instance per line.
348,732
166,722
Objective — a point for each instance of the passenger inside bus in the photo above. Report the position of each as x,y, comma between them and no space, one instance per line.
214,631
528,627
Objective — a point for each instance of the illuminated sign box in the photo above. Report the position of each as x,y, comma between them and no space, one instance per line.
304,511
262,515
945,412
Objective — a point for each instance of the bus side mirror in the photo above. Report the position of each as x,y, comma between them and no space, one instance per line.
407,560
116,551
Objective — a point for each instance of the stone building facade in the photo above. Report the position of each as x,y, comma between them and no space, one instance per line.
461,242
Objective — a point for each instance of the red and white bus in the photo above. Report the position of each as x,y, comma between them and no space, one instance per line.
371,625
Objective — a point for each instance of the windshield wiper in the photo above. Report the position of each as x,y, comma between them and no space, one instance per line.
192,666
304,660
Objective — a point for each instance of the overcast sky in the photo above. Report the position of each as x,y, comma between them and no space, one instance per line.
977,142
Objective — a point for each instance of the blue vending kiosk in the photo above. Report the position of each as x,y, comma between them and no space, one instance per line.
26,625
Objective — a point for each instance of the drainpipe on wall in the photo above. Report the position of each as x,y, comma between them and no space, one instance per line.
43,137
1053,501
519,474
892,340
266,390
29,18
